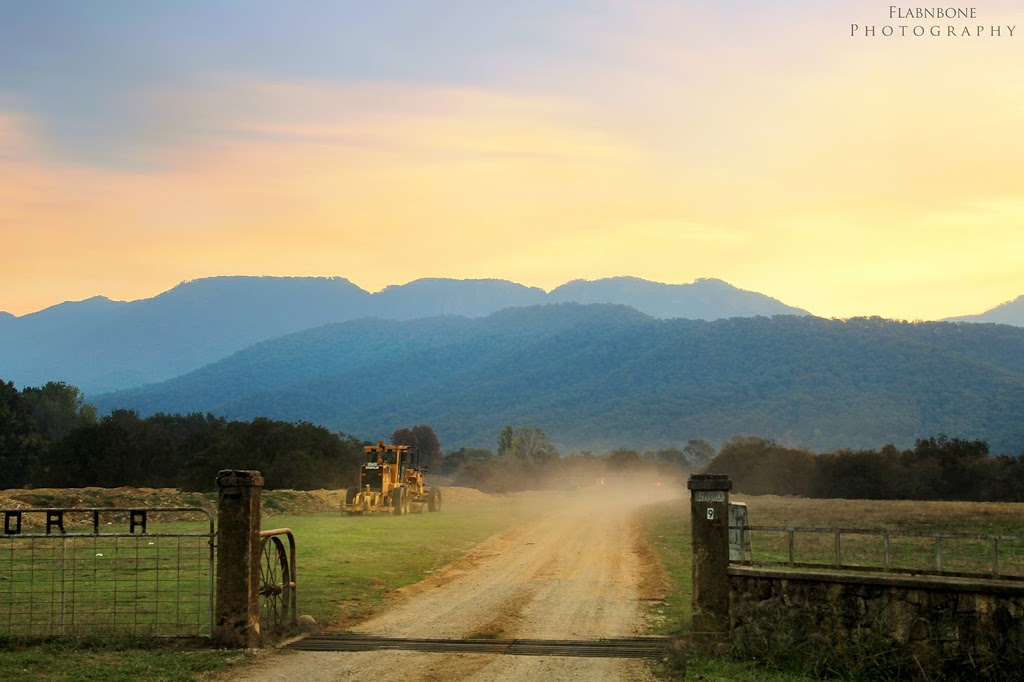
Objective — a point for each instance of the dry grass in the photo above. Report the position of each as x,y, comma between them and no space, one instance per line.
975,517
910,553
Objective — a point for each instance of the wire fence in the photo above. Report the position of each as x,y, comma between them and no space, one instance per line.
70,572
921,553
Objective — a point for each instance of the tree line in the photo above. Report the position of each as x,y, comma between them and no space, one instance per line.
50,437
935,468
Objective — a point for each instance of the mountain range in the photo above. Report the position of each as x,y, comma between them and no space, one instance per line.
101,345
605,376
1011,312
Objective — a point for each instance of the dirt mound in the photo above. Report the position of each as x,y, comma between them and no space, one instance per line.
456,495
19,498
274,501
314,501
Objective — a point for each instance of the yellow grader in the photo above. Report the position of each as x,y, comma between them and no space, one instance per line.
390,481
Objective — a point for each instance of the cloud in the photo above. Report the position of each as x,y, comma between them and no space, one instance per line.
664,140
324,179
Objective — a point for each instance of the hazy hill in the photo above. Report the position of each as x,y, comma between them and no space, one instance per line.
1011,312
470,298
102,345
604,376
704,299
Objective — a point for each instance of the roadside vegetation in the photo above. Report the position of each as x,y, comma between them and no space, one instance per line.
668,532
126,660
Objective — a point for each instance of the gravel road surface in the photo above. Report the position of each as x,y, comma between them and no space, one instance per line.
582,571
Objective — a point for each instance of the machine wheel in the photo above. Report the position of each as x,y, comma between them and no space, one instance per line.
434,500
275,586
350,495
398,501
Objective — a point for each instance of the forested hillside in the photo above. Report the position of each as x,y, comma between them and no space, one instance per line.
603,376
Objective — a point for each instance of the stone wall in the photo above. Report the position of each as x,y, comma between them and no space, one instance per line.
878,625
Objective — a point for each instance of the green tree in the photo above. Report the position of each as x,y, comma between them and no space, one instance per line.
423,439
673,457
759,466
860,474
428,445
462,457
699,453
958,463
532,445
403,436
505,440
99,454
187,452
624,460
58,408
20,441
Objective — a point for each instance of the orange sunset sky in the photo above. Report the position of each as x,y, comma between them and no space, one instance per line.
142,144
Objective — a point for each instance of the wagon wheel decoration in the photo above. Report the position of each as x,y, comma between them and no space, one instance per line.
275,586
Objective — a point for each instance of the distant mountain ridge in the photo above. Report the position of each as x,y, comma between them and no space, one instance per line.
1011,312
704,299
606,376
102,345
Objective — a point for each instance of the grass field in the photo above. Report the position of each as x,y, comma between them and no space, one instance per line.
918,553
122,586
668,526
347,565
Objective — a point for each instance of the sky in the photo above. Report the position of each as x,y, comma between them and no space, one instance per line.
778,145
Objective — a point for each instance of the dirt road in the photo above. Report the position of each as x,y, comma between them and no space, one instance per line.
580,572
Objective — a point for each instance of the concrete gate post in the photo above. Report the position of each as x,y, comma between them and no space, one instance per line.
239,504
709,521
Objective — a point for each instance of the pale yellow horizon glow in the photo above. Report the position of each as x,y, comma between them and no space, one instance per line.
845,178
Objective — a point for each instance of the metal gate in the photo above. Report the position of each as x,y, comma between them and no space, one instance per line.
107,571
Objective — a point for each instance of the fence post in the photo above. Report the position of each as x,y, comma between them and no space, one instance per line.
237,618
709,521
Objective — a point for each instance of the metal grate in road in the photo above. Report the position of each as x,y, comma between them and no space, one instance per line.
636,647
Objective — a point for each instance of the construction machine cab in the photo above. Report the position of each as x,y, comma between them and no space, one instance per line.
390,480
384,467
